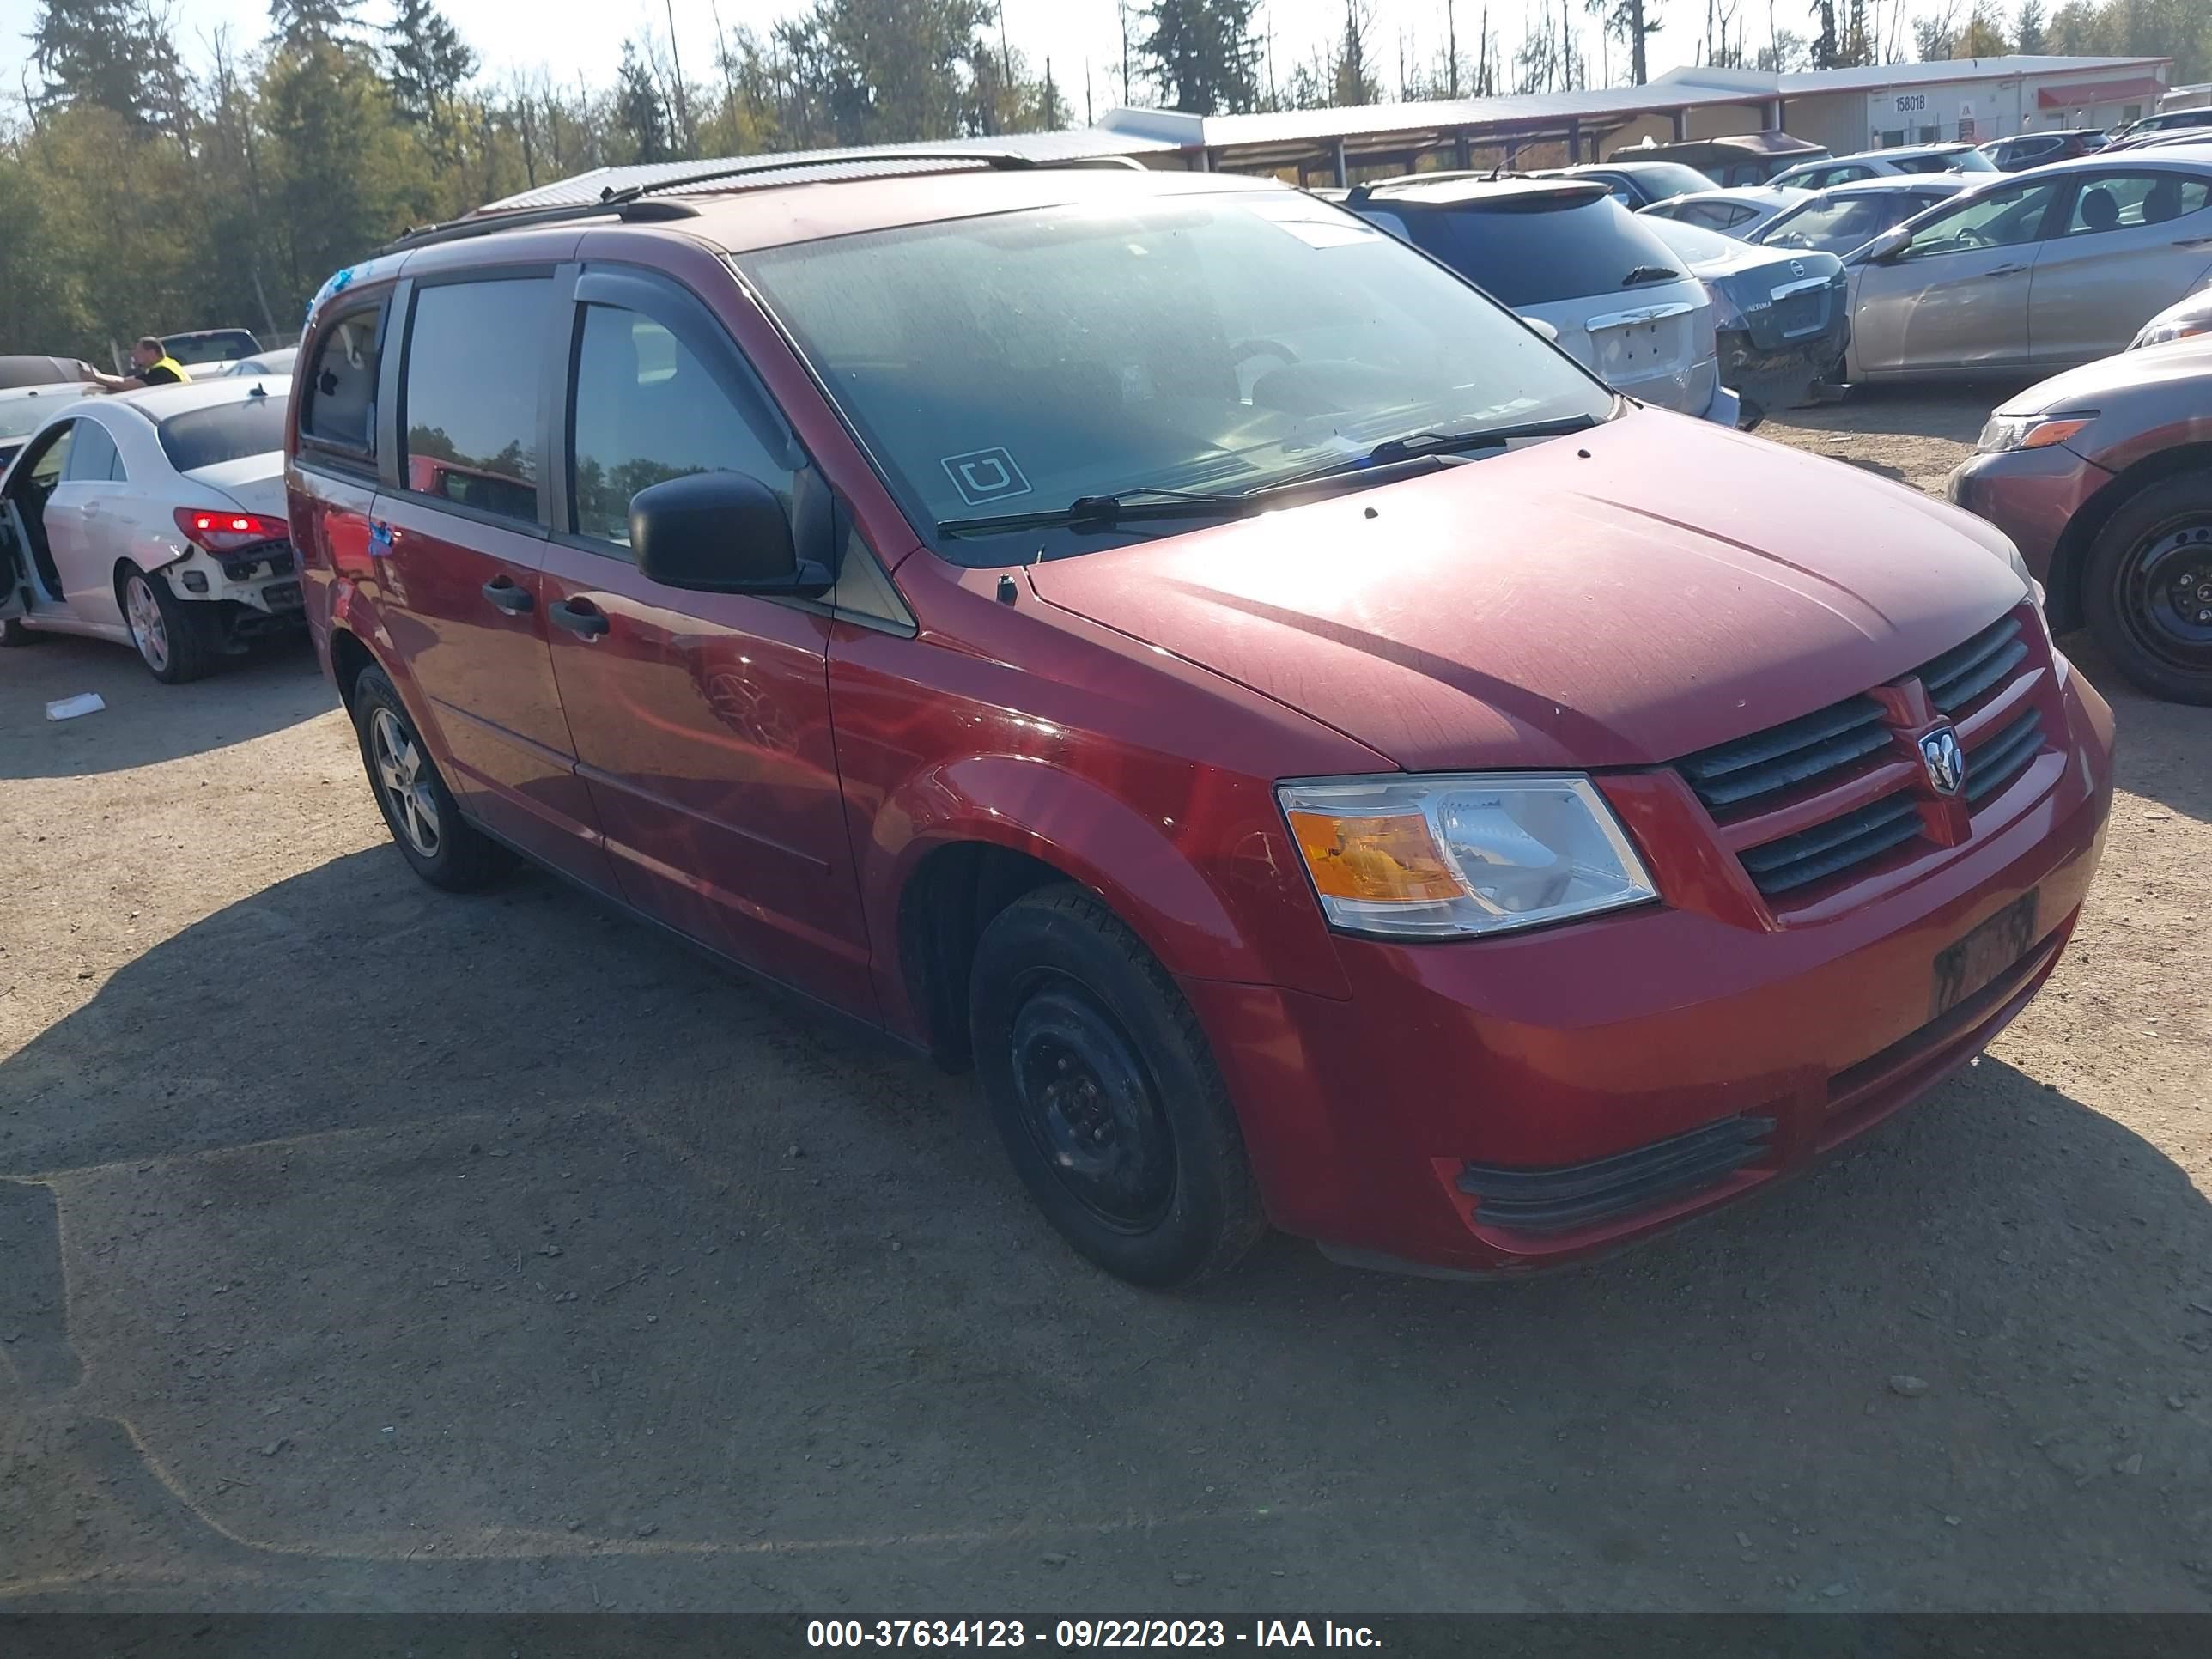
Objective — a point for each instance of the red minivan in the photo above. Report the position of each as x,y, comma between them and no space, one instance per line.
1321,756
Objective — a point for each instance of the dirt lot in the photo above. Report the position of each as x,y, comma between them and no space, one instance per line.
365,1248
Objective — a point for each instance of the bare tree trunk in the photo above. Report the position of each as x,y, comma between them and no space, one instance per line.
682,100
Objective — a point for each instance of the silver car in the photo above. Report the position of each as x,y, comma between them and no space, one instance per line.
156,519
1897,161
1742,213
1566,255
2035,270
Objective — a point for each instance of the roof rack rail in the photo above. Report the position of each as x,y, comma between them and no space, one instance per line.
630,201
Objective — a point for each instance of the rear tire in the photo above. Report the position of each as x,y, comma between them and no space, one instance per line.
176,641
2146,589
1106,1096
426,825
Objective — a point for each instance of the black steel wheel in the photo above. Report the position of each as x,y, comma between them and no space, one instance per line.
2147,591
1105,1094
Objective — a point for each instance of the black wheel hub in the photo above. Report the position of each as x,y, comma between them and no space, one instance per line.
1089,1104
2169,582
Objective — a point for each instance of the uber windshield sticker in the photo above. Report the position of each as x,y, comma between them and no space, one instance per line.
984,476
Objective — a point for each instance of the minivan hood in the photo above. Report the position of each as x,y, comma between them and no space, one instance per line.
1617,598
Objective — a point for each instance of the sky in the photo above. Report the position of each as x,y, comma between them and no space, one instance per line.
571,39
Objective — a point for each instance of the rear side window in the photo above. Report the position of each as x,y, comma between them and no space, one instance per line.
2129,201
341,392
1533,257
470,403
229,432
647,410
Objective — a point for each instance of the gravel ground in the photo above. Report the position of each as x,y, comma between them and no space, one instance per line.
369,1248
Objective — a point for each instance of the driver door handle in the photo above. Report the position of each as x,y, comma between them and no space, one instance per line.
580,616
2006,271
509,595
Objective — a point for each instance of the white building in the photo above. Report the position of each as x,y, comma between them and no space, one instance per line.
1846,110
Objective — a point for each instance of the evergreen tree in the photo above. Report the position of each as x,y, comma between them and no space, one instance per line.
300,23
639,111
2030,27
98,53
1204,55
1351,82
429,61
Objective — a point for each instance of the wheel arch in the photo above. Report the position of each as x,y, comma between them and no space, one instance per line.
976,834
2062,587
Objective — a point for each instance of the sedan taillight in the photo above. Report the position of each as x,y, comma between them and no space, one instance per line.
227,532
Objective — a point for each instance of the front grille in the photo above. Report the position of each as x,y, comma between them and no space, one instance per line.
1798,751
1961,675
1798,861
1745,779
1563,1197
1996,761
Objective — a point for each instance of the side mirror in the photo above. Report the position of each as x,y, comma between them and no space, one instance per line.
1885,248
1543,328
720,533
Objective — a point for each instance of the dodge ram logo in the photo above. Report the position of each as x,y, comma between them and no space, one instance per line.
1945,760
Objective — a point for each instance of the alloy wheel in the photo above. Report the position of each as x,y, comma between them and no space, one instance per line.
406,782
148,631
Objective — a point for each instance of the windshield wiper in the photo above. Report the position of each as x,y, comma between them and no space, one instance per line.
1102,511
1415,445
1649,274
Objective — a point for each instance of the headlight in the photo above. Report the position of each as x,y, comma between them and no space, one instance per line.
2181,328
1447,857
2006,431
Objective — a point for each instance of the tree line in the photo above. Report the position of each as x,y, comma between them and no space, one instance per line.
137,193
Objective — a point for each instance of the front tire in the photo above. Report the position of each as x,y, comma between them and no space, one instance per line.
2146,589
427,826
1106,1096
176,640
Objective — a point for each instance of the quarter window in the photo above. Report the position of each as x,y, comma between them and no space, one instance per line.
647,409
470,394
341,391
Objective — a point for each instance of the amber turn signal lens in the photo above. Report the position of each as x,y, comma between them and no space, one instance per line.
1386,859
2051,432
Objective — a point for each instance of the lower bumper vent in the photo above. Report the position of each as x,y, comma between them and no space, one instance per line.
1570,1195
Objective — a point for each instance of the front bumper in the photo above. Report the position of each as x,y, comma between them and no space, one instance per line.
2032,495
1369,1120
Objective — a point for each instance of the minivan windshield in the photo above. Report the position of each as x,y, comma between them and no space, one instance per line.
1208,344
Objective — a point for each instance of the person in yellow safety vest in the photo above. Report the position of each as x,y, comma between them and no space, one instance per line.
153,364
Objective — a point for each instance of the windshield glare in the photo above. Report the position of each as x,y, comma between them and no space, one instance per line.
19,416
1215,342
